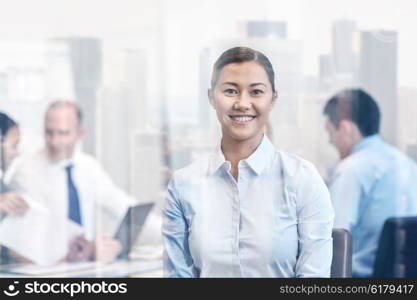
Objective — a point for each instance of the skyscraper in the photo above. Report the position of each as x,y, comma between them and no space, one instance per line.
326,71
378,76
262,29
121,113
342,46
86,63
147,177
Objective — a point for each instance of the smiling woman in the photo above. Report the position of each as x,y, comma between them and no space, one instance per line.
243,94
230,214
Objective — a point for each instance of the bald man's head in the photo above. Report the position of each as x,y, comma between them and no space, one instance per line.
62,129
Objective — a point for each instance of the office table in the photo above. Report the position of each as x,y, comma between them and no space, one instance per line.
121,268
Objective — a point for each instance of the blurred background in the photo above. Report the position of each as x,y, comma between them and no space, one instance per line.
140,71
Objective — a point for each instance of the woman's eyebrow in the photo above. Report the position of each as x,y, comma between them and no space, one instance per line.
258,83
235,84
230,83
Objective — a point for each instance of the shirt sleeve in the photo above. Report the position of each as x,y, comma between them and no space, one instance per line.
177,258
315,222
345,191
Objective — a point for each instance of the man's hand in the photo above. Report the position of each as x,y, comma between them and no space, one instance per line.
13,204
104,249
80,249
107,248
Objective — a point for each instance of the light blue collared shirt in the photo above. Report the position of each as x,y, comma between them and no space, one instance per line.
372,184
275,221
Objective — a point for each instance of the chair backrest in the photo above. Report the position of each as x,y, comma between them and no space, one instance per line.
396,255
342,254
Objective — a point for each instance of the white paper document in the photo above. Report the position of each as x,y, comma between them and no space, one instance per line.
39,235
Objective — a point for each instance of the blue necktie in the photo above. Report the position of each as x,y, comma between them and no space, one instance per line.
74,212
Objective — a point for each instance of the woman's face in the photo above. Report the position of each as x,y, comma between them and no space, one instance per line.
242,99
10,145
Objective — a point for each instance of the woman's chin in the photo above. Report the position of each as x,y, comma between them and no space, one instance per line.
242,136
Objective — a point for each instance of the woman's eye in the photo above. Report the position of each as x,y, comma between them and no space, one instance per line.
230,91
257,92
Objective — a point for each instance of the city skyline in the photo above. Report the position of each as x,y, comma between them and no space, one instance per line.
307,21
123,110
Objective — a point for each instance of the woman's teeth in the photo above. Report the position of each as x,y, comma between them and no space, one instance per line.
243,119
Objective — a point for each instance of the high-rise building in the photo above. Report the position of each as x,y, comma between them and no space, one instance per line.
121,111
326,71
262,29
338,69
136,84
86,63
147,176
378,76
342,46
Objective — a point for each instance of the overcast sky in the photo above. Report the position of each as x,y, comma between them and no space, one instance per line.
200,22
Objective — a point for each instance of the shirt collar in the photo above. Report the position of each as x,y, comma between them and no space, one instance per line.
366,142
257,161
63,163
217,160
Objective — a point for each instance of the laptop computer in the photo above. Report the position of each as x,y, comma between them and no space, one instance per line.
131,226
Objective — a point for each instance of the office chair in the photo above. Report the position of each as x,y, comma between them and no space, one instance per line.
342,254
397,250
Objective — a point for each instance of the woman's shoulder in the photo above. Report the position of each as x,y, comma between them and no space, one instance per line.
303,178
294,165
196,169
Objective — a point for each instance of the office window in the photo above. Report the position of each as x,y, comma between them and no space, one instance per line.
140,70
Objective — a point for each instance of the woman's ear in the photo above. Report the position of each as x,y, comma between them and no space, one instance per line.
211,98
274,99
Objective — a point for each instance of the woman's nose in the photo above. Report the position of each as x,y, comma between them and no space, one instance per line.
242,102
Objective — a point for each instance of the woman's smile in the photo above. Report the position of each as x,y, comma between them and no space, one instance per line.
240,120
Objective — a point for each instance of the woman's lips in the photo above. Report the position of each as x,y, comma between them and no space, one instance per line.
242,119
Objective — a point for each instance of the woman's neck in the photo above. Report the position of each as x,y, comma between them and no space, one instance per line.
234,150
